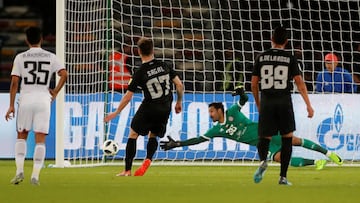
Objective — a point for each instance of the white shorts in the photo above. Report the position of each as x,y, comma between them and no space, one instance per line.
34,113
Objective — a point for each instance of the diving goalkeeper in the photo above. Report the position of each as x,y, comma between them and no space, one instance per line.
234,125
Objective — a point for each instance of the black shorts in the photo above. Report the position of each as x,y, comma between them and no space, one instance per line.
276,116
153,118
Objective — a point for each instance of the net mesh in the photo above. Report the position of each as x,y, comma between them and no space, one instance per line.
212,45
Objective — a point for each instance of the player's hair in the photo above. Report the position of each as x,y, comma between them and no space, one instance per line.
217,105
33,35
146,46
279,35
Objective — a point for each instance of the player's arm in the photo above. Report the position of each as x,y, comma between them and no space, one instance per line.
171,143
255,90
303,91
14,85
179,92
124,101
63,74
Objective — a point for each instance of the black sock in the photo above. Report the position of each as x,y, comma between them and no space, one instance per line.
130,153
151,147
263,148
285,156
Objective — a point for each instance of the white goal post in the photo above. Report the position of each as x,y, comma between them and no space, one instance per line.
60,101
212,45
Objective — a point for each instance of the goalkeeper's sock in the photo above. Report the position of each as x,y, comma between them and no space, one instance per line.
298,161
39,156
20,153
130,153
308,144
151,147
286,150
263,148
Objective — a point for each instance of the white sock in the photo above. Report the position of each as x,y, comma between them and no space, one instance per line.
39,156
20,153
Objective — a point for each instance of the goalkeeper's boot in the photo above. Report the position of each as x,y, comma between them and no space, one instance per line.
284,181
336,158
34,181
141,171
259,173
17,179
124,173
319,164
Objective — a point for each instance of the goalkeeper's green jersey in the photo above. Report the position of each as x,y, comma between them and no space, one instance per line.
236,127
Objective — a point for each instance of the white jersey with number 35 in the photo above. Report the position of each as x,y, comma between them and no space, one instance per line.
35,67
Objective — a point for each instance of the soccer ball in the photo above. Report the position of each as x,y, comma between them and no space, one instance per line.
110,148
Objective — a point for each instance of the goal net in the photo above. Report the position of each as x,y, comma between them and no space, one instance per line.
212,45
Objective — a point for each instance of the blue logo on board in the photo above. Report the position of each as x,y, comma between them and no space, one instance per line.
330,133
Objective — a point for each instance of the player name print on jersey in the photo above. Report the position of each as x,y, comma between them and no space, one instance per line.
155,71
274,58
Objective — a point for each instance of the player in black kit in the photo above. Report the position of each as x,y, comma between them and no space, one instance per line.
156,79
273,72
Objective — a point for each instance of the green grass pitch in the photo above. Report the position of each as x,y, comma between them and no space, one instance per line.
181,184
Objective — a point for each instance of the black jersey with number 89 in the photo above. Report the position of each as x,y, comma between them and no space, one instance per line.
276,69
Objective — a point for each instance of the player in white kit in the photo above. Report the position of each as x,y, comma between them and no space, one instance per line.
34,69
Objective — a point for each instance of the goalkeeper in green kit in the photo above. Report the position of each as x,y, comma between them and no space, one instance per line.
234,125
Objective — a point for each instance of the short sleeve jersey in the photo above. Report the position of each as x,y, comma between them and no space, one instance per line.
236,127
35,67
155,79
276,69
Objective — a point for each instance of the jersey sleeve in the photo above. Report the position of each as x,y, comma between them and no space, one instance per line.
234,108
295,67
16,67
134,82
172,72
211,133
256,69
57,64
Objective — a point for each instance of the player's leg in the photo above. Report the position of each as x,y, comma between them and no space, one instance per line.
41,125
23,125
285,156
39,157
299,161
266,128
139,126
308,144
286,128
157,121
150,151
263,148
20,154
275,147
129,153
151,146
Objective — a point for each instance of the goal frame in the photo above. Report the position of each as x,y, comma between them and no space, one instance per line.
60,100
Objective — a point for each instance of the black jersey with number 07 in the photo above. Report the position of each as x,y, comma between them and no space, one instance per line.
276,68
155,79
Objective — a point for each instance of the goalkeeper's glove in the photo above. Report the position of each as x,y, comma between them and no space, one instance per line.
166,145
239,90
